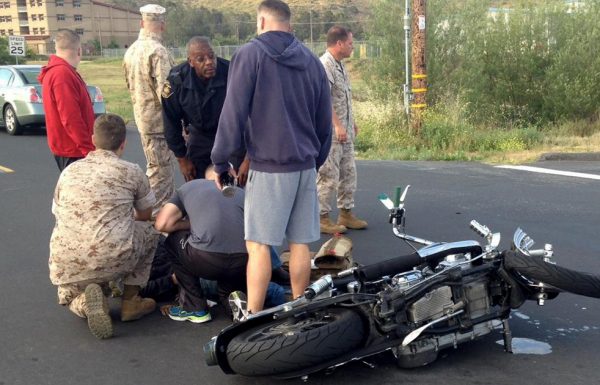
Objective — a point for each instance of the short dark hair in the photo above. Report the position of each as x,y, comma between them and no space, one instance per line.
276,8
337,33
197,41
66,39
109,132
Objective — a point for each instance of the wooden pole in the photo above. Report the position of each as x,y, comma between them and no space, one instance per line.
419,69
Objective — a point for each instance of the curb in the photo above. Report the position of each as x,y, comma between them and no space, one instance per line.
581,156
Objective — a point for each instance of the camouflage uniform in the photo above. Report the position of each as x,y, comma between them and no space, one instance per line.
147,64
338,173
95,238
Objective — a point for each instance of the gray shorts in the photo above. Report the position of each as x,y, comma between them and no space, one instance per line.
279,205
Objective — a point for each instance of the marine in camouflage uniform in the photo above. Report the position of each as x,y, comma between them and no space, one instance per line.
96,238
337,176
147,64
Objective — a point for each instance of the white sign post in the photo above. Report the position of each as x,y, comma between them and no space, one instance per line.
16,46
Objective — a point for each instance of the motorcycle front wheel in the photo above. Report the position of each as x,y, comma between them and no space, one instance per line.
295,343
575,282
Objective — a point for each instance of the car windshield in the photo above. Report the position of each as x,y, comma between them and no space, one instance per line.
30,75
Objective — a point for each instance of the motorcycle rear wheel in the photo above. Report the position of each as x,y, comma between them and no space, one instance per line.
535,268
295,343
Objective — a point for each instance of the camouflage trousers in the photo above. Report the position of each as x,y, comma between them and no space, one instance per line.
159,168
134,270
337,176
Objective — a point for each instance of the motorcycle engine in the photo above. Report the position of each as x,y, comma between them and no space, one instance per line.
435,304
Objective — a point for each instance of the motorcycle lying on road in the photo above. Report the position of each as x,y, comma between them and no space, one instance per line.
415,305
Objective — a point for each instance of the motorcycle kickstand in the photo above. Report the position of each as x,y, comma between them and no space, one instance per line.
507,334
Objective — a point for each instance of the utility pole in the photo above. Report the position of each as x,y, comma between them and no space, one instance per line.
311,29
419,69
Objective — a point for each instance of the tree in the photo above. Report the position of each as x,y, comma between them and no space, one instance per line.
5,58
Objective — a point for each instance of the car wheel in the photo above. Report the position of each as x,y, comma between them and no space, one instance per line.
13,127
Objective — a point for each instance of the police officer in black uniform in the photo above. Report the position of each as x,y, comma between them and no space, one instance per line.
192,99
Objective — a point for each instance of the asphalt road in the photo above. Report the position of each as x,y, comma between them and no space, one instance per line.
42,343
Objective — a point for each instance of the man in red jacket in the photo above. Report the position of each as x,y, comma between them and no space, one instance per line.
67,104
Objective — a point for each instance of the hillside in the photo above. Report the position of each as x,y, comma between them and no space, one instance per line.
317,5
360,7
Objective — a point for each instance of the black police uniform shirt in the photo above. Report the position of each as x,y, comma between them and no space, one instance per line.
187,101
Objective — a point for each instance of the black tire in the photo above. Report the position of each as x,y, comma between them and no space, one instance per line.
11,122
293,344
562,278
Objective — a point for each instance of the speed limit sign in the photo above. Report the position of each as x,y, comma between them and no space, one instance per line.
16,45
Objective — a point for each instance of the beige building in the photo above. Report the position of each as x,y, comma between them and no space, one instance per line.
37,20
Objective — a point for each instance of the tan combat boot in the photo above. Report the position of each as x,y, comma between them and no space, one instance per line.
96,312
328,227
346,218
133,306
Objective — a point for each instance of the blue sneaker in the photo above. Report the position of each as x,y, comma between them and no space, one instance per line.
178,314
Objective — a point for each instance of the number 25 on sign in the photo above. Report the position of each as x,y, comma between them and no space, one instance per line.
16,46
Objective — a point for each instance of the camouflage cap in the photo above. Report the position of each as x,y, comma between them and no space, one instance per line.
153,12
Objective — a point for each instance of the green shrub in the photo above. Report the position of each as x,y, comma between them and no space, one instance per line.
530,65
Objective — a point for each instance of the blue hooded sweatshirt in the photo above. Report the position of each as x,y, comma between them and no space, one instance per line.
280,88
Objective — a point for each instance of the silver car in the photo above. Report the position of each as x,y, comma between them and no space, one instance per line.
21,98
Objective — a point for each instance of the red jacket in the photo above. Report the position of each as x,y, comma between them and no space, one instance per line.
68,109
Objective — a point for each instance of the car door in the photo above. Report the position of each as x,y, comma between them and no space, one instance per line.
6,76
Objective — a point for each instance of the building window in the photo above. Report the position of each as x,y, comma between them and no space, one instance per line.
6,4
11,32
33,17
60,3
60,16
78,18
42,31
39,3
2,32
32,3
41,16
76,3
79,31
36,31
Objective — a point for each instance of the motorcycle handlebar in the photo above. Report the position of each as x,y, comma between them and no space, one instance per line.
388,267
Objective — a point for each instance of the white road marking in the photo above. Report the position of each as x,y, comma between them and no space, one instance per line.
552,172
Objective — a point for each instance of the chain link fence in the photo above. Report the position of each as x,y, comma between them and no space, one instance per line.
362,50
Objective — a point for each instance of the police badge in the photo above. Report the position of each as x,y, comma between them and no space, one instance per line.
166,91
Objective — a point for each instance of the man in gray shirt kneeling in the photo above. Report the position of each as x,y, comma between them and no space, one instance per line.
206,240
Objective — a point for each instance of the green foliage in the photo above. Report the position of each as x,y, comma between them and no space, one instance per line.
528,65
386,74
5,58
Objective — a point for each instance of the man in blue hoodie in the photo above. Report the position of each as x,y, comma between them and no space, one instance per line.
277,84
